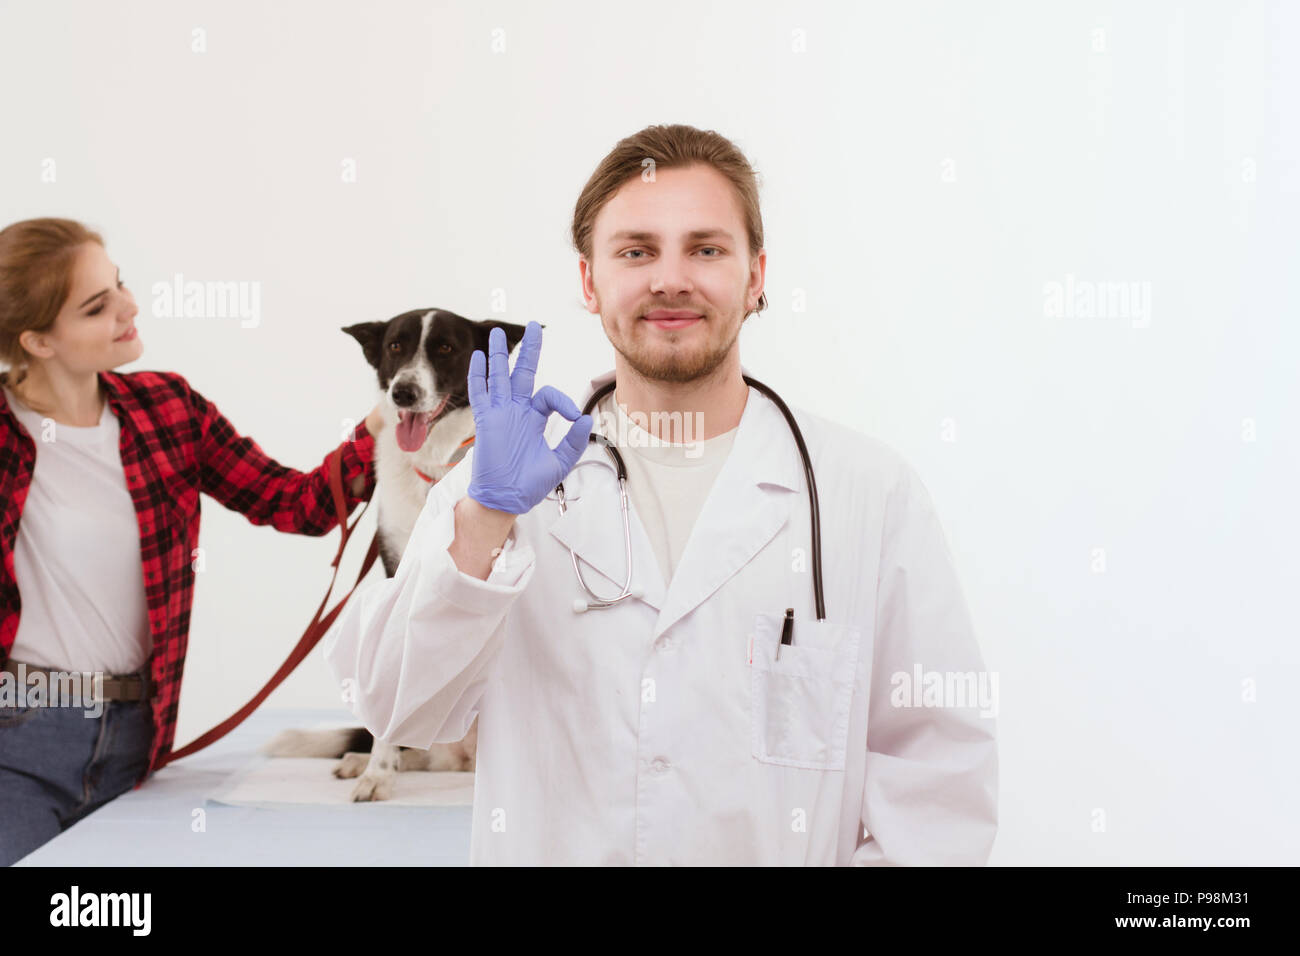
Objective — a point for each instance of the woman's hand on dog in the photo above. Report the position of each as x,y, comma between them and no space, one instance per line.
374,422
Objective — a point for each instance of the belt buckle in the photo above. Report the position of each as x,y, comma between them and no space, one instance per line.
126,688
114,688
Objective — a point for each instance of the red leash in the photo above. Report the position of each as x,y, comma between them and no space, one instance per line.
315,630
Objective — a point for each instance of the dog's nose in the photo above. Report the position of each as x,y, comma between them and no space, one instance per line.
405,395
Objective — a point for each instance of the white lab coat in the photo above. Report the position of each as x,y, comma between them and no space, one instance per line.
662,730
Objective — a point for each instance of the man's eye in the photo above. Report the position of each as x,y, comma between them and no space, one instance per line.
714,248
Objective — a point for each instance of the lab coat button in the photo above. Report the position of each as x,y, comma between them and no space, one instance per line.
664,643
659,765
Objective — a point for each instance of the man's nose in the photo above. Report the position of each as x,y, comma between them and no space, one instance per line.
672,275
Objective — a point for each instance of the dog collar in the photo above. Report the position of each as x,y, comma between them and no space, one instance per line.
456,456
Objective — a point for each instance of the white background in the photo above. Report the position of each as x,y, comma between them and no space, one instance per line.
926,170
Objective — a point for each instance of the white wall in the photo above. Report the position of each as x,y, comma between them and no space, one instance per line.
927,170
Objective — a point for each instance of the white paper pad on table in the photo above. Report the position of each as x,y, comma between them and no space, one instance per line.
310,781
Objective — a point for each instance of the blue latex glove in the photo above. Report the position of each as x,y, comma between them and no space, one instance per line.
513,468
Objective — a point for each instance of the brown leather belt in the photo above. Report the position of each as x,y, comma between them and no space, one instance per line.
122,687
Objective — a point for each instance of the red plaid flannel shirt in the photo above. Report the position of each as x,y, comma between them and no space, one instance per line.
174,445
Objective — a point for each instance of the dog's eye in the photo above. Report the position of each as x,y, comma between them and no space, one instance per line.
444,349
394,346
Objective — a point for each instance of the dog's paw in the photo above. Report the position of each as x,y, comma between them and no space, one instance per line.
373,787
352,765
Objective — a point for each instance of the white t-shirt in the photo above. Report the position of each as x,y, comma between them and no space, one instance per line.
77,554
666,482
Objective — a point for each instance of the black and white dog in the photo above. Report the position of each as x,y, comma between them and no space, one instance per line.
422,360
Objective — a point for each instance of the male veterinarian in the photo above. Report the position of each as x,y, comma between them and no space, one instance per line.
677,726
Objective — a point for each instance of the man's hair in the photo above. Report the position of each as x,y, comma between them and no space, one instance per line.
669,147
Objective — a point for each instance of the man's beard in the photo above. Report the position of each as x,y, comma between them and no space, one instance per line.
676,363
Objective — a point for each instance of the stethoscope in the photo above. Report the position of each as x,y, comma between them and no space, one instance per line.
597,602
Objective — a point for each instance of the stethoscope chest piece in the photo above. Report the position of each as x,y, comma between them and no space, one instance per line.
620,470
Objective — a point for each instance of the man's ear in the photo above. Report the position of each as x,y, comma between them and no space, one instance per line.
484,329
371,337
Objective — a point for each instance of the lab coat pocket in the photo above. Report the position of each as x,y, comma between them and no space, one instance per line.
799,702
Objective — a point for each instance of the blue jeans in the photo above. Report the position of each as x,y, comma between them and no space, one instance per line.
57,765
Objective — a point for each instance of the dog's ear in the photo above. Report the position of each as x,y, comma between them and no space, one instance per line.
484,329
371,337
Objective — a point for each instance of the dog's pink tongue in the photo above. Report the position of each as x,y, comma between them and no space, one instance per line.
412,429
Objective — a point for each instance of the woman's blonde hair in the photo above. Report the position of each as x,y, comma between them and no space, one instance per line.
668,147
37,261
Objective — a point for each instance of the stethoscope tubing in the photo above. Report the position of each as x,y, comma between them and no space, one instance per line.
621,471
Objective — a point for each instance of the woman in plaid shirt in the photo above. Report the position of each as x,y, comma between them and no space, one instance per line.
100,536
